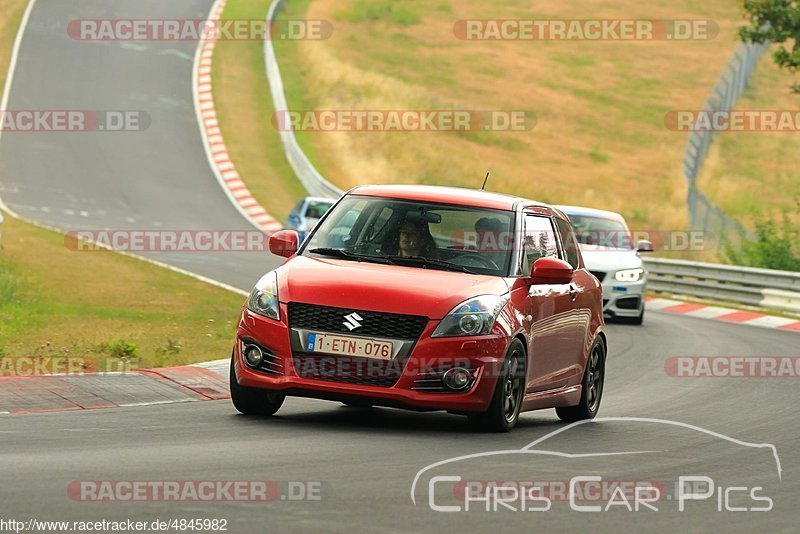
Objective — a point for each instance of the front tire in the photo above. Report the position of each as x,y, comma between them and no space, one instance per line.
503,412
638,320
592,387
253,401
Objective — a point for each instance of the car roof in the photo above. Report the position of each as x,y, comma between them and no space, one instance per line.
319,199
590,212
446,195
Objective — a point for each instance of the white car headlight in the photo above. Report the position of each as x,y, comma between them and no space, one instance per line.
473,317
629,275
264,298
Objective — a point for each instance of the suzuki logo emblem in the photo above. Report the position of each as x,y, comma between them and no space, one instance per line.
352,321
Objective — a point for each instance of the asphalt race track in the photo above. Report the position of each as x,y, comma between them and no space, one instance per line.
363,460
155,179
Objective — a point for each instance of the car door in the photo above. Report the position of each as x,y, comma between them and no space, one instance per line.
555,339
583,283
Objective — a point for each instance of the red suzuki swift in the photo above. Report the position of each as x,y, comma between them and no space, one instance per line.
428,298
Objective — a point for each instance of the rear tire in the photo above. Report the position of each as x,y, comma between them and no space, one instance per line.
503,412
253,401
592,387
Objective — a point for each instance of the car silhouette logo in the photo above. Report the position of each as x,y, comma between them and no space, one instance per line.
352,321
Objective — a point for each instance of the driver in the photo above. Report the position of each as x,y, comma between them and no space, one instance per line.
415,239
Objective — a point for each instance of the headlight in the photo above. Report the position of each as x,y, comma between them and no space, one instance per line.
264,298
472,317
629,275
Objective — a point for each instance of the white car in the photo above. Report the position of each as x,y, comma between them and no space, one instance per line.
306,214
609,253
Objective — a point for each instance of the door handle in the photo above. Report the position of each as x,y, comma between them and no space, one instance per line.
573,291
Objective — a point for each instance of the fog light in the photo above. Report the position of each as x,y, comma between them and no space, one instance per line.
253,355
457,378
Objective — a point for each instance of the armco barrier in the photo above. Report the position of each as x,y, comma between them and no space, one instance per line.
765,288
309,176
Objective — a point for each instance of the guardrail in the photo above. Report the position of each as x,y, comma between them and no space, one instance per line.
765,288
309,176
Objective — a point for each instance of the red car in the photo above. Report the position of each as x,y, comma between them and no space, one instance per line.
427,298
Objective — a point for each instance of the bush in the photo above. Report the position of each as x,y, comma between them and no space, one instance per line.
120,348
775,247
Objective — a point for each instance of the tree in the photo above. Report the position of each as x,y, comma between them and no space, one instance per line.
777,21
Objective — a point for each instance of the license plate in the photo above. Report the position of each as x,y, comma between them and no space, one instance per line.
349,346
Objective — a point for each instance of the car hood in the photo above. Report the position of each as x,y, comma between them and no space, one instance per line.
383,288
608,259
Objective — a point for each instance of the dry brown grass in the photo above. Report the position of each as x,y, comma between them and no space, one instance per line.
756,175
600,139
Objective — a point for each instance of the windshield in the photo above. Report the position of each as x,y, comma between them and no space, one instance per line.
416,234
601,231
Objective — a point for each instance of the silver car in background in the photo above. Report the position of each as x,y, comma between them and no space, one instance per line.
306,214
609,253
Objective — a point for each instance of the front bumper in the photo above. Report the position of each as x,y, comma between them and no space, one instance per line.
483,355
623,299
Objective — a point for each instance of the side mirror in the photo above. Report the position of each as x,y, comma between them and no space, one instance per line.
644,245
284,243
551,270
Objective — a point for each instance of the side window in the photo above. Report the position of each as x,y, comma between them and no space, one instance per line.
538,241
570,242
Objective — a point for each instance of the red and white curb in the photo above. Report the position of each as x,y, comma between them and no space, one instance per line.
704,311
216,151
149,387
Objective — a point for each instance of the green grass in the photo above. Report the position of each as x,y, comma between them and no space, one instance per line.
91,305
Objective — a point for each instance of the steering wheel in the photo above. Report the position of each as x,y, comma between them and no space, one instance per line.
469,260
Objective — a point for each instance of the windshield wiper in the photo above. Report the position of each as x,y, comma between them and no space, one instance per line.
423,262
345,255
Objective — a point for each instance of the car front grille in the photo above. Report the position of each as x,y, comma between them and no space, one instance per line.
599,274
348,369
377,324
